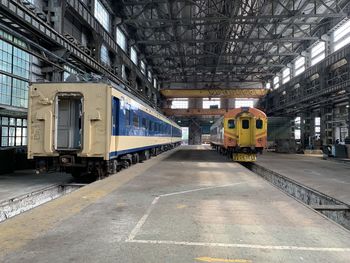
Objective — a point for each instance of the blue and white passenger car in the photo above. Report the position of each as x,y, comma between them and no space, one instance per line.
94,128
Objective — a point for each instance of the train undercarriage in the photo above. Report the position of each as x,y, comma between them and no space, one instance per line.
83,168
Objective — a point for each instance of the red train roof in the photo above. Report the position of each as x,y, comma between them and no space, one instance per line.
255,112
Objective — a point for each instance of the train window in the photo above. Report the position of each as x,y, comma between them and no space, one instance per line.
127,117
144,125
245,124
231,124
135,120
259,124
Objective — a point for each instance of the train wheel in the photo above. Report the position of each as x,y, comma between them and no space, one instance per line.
135,158
147,155
125,164
115,166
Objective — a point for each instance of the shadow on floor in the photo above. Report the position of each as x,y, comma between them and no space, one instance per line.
197,155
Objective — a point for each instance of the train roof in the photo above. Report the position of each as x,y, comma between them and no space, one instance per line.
117,87
256,112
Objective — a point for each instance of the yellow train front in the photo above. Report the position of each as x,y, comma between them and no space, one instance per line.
241,133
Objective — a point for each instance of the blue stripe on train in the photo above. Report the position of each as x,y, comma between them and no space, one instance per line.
132,150
123,124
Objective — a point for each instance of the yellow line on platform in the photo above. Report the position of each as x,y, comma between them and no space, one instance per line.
209,259
18,231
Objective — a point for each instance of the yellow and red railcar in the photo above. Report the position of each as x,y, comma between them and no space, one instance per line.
241,133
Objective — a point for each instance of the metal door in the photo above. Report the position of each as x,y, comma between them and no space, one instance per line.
245,133
69,123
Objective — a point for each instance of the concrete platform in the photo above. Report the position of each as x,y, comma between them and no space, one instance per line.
328,177
187,205
27,181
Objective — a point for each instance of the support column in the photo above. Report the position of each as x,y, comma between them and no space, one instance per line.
117,65
304,128
194,132
348,116
327,124
194,129
224,103
57,10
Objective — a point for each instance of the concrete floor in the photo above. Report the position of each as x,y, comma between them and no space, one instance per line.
187,205
27,181
328,177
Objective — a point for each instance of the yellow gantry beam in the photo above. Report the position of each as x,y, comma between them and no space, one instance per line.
194,112
210,93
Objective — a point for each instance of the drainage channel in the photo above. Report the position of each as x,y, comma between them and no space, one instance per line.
332,208
20,204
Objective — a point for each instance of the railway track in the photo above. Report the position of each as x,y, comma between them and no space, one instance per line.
333,209
19,204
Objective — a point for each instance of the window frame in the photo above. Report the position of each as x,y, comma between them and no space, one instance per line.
244,126
259,124
229,124
135,120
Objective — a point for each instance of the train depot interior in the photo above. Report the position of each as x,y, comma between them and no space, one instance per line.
175,131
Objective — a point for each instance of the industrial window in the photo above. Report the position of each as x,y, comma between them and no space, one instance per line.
244,103
259,124
276,82
20,65
133,55
245,124
19,93
212,103
179,103
231,124
318,52
105,56
127,117
135,120
297,128
149,76
15,62
299,66
102,15
121,39
143,67
13,131
341,36
317,126
285,75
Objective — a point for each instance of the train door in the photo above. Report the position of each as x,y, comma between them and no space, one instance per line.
115,116
245,133
68,122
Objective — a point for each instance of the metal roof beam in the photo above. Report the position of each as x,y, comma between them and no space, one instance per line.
238,19
263,54
194,41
